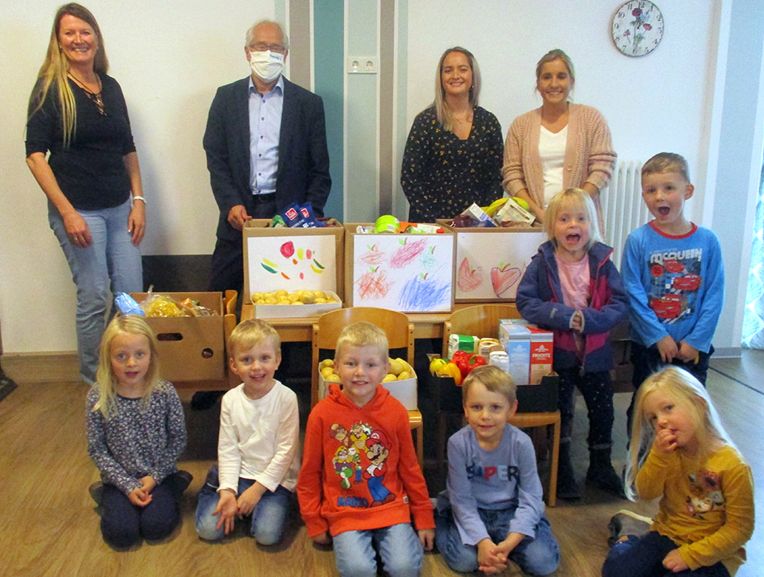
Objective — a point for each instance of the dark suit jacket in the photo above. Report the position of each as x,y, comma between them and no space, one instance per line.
303,166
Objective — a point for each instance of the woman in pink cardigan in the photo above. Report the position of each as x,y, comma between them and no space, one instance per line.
559,145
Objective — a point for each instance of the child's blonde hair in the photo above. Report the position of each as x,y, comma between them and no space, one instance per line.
579,198
250,333
493,379
667,162
687,393
105,379
362,334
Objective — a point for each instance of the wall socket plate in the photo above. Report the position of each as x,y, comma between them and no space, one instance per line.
362,65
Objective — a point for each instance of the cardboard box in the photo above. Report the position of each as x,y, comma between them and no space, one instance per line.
294,311
411,273
292,258
542,354
405,391
490,262
516,339
191,348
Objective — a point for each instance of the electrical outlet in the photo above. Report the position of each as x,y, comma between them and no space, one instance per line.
362,65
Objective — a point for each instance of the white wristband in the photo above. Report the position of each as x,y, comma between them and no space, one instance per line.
141,198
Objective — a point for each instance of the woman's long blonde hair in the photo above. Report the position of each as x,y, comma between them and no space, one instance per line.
441,106
105,379
55,68
689,394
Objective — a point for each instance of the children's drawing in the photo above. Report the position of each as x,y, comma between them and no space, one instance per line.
504,277
300,262
491,263
467,278
407,253
410,273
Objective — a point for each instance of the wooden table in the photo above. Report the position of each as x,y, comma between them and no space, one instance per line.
300,330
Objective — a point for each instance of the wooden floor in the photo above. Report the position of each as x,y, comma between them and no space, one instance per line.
49,526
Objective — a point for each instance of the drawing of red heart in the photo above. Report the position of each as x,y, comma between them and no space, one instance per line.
468,279
504,278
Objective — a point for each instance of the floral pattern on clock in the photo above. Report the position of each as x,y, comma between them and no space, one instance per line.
637,27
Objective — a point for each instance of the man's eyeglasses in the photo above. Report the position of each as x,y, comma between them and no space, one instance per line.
262,47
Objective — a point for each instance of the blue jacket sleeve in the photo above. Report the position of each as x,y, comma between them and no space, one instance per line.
531,302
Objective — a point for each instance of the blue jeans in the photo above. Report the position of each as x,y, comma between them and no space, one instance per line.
355,552
111,262
643,557
123,524
539,556
268,517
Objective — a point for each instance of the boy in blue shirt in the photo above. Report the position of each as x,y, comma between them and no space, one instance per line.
491,511
673,275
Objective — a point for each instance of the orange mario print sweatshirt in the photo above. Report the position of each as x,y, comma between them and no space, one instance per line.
359,469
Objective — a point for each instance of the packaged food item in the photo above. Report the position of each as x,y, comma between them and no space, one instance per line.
127,305
516,340
487,346
542,354
420,228
513,212
473,216
466,343
386,223
300,216
499,359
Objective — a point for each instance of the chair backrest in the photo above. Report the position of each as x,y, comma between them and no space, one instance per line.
479,320
397,327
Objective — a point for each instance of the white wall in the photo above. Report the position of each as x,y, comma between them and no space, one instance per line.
169,58
653,103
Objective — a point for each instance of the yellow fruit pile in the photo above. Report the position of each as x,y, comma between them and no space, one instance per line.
296,297
399,371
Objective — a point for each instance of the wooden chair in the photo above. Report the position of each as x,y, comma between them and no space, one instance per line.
483,321
400,335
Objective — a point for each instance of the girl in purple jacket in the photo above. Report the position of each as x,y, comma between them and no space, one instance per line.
572,288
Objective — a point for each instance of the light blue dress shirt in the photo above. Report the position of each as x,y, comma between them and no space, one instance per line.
264,131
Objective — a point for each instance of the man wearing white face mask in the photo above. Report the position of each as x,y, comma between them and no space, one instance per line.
266,148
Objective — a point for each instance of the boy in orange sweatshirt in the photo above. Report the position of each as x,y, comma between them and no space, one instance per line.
360,484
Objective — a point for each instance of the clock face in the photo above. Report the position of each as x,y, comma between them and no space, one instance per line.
637,27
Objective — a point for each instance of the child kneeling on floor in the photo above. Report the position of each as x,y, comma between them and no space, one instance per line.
492,510
136,433
256,473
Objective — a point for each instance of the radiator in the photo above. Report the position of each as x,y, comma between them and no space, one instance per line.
622,206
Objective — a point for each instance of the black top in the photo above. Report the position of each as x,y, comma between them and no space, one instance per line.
442,174
91,172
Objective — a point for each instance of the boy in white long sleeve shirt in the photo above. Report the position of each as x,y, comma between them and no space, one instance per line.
257,467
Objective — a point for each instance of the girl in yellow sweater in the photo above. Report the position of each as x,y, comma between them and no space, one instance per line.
681,453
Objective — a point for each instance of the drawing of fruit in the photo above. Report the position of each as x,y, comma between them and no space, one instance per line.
287,249
504,278
468,279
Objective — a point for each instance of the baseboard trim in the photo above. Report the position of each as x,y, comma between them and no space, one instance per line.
728,353
45,367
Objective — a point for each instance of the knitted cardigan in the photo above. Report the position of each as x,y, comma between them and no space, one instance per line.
589,154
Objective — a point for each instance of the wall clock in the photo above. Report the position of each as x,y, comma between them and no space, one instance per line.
637,27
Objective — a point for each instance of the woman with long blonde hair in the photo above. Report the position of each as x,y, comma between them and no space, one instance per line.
80,150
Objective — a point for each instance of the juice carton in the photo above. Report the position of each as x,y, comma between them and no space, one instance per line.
541,354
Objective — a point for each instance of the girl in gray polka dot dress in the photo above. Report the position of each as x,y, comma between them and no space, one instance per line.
136,432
